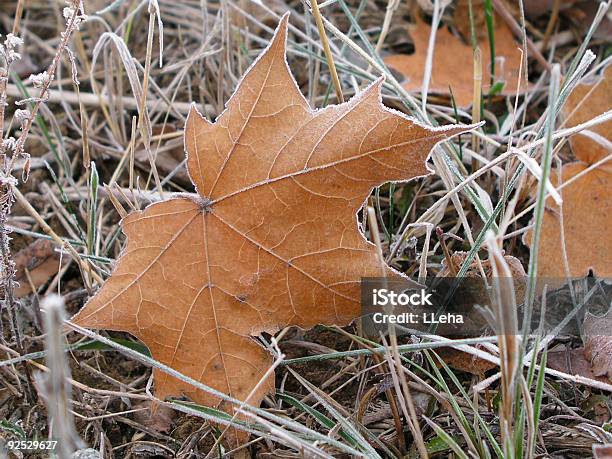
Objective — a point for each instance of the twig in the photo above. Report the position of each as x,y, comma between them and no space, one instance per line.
314,7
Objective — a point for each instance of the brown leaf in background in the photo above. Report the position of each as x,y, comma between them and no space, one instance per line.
42,262
584,103
602,451
464,361
463,23
453,62
598,343
270,240
587,200
573,362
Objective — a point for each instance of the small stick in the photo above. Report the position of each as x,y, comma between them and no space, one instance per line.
393,355
447,255
18,14
314,6
550,27
476,101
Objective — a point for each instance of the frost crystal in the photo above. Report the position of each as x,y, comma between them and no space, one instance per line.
22,116
71,12
8,48
9,143
39,80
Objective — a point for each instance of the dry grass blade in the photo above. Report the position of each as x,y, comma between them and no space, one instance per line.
505,305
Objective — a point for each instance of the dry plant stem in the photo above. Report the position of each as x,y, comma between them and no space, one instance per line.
437,13
550,27
447,255
7,268
314,6
54,384
504,183
392,398
413,421
17,21
392,5
507,331
42,96
9,191
373,225
8,274
476,102
145,90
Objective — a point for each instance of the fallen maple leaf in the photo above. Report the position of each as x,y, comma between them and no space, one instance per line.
587,200
453,66
270,240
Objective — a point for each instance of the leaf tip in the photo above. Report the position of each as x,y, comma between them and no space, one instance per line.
458,129
194,115
279,39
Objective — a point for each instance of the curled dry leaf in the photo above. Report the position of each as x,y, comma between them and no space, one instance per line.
602,451
155,416
42,262
271,237
453,66
598,343
460,360
572,361
587,200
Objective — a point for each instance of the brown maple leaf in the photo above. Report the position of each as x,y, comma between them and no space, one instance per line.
270,239
453,66
587,200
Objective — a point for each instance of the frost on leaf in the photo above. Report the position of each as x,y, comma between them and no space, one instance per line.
271,237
